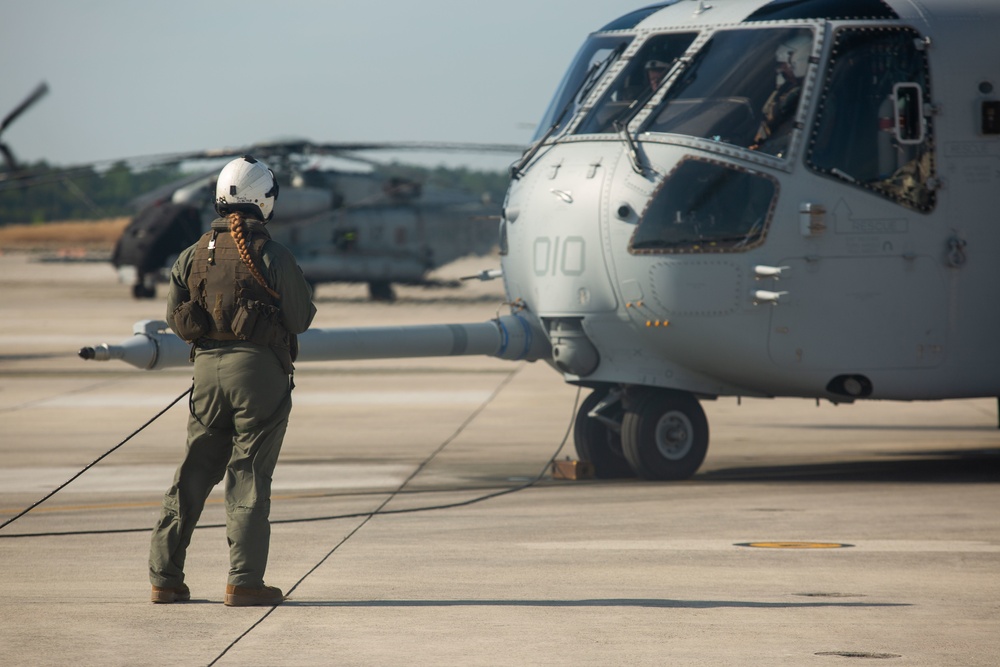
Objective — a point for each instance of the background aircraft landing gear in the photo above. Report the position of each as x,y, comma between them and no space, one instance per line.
598,439
381,290
144,287
664,434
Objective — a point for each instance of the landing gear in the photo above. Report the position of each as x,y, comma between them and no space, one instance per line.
381,290
664,434
598,438
144,287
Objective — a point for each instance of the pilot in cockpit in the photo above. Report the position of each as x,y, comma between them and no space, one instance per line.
655,71
778,112
641,85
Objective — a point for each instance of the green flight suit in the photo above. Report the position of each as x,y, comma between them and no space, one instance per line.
239,411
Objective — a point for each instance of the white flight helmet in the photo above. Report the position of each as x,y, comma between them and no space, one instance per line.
246,186
795,54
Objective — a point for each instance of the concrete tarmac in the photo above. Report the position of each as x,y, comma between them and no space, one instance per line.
812,535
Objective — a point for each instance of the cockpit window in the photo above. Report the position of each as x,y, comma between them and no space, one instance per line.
597,55
742,88
706,207
637,82
873,128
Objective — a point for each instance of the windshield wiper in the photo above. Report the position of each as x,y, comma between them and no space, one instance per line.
621,123
633,149
581,93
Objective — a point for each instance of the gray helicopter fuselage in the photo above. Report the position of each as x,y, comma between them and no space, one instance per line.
740,197
342,226
852,257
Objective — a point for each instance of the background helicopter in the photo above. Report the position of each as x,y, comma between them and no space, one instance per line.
343,225
360,224
741,198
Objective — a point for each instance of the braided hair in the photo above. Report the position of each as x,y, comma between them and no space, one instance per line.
238,230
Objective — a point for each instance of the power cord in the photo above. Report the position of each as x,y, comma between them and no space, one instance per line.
380,510
355,515
94,462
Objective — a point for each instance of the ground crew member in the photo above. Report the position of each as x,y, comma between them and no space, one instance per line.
240,299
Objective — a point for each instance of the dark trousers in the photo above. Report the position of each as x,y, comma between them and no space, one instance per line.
239,411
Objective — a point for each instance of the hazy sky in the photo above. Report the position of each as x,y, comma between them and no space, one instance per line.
131,78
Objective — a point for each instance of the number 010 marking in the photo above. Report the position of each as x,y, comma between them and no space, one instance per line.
555,256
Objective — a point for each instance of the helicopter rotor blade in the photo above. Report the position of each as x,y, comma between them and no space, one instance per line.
302,147
35,95
344,148
449,146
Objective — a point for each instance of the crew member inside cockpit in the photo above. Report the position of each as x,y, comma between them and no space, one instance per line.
655,71
778,112
641,85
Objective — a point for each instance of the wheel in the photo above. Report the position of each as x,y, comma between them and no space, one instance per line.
141,290
381,290
665,435
598,442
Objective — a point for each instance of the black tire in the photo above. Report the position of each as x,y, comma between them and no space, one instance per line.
381,290
598,443
665,435
141,291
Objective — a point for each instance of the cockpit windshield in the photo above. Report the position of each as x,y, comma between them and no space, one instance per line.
742,88
637,82
597,55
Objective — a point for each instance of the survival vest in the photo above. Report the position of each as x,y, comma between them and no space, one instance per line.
238,307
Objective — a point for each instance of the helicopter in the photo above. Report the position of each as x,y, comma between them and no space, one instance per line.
343,225
759,198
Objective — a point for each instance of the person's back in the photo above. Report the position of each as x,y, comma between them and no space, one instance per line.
240,299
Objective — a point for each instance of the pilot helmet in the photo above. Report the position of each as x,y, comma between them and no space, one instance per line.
657,64
793,56
246,185
655,71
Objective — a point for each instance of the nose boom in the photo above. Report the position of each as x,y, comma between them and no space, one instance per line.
514,337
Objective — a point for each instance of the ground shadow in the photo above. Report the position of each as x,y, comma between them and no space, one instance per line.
948,466
645,603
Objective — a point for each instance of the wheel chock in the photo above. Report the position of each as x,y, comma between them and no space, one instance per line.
572,470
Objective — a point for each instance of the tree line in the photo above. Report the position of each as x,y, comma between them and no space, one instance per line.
52,194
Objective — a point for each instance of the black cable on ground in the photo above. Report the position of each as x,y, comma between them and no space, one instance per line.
367,516
94,462
335,517
380,510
